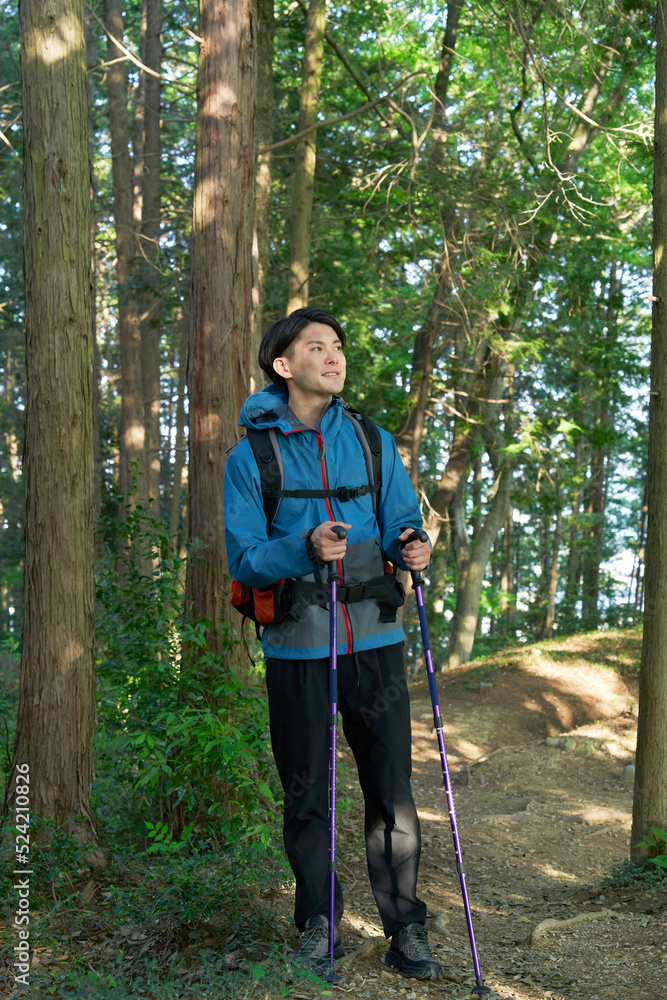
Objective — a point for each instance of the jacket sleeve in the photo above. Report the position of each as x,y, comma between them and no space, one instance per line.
253,558
398,507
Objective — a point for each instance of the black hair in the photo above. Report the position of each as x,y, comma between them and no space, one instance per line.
278,339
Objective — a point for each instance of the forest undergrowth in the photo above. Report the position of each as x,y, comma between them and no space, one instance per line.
539,739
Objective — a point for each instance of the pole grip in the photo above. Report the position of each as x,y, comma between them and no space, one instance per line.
339,530
418,535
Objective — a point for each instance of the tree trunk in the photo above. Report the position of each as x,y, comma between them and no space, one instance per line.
541,596
306,155
149,260
573,572
641,553
595,508
464,622
56,718
409,439
179,443
131,458
650,792
507,604
465,430
462,547
423,356
222,278
553,573
264,135
97,452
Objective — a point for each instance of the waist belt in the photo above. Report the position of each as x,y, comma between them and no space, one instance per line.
385,589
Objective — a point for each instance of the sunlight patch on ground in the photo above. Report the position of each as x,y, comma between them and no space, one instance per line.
552,872
619,742
596,685
362,926
604,817
463,748
428,814
531,705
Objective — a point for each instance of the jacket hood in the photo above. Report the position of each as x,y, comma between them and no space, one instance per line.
269,408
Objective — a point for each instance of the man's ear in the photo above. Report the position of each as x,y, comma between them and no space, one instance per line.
281,367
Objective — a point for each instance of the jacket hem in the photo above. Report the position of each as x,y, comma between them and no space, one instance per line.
320,652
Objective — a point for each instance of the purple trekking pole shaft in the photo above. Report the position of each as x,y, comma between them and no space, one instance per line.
418,583
333,579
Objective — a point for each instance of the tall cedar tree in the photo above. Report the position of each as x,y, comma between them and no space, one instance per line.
222,287
650,792
57,691
306,156
151,28
132,433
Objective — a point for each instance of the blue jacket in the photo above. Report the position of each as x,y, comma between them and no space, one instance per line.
333,451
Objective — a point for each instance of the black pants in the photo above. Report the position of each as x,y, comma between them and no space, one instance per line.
374,704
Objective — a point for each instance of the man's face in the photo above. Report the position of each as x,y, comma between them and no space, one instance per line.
315,366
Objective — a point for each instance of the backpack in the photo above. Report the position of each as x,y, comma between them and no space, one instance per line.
272,604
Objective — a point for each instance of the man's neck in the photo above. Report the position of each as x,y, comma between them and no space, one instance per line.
308,409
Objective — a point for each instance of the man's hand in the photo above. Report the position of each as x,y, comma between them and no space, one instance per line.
328,546
416,555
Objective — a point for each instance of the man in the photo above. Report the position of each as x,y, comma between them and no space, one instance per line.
320,450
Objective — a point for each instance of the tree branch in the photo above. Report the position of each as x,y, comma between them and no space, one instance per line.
342,118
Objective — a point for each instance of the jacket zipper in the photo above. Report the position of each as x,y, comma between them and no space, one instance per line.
339,564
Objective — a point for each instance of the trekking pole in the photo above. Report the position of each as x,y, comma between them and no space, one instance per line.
334,580
417,584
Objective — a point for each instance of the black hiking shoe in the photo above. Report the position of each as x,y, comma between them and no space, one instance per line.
411,954
313,952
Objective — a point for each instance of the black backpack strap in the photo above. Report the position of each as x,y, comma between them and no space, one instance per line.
269,460
342,493
371,444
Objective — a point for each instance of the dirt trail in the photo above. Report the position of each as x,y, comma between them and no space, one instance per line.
541,824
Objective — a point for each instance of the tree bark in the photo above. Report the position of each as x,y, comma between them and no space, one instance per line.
264,136
595,509
464,622
650,791
641,553
56,718
132,436
461,538
306,156
423,360
507,602
424,355
97,449
179,443
573,573
600,444
149,259
465,428
222,281
553,571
